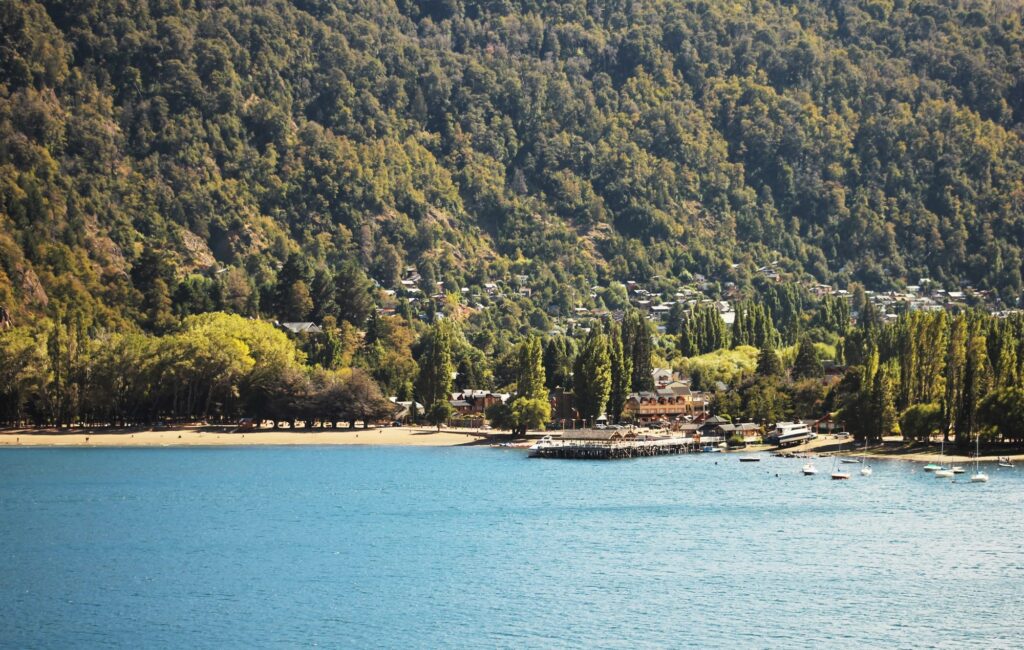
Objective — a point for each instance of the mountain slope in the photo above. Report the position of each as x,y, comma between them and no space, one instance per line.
297,146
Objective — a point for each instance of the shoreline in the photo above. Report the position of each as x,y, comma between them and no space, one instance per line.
893,450
216,436
405,436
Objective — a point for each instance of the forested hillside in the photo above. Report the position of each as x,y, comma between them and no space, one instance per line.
164,158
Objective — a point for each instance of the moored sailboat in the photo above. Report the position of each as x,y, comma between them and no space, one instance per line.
838,475
978,476
943,471
866,470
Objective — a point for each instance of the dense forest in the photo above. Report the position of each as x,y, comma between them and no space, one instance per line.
164,160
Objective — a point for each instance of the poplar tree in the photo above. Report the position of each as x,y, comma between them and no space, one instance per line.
956,357
636,346
592,376
530,409
559,354
976,379
434,384
621,369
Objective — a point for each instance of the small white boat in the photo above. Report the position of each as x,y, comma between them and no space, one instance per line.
956,469
534,449
810,469
849,461
749,459
866,470
1004,461
978,476
838,474
941,471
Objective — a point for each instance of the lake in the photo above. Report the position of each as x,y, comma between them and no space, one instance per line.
362,547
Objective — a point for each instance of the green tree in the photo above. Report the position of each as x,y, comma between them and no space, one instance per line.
920,421
636,347
559,354
530,408
976,382
353,297
622,371
1003,411
530,383
439,413
592,375
434,384
768,363
807,365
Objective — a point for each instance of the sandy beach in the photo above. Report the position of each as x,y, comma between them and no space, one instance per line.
214,436
191,436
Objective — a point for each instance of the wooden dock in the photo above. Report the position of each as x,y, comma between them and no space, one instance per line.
599,450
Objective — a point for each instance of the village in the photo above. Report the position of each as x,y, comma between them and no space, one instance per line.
673,418
674,409
657,302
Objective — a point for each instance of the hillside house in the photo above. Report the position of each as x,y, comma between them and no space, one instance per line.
301,328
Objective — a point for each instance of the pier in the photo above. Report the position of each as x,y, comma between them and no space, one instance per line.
589,444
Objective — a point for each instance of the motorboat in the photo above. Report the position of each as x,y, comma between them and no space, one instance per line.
849,461
943,473
866,471
956,469
932,467
536,448
810,469
749,459
1004,461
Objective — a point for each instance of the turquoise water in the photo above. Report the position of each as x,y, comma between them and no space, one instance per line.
476,547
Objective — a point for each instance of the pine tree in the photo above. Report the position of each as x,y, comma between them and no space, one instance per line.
322,292
768,363
807,365
352,294
293,271
299,302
